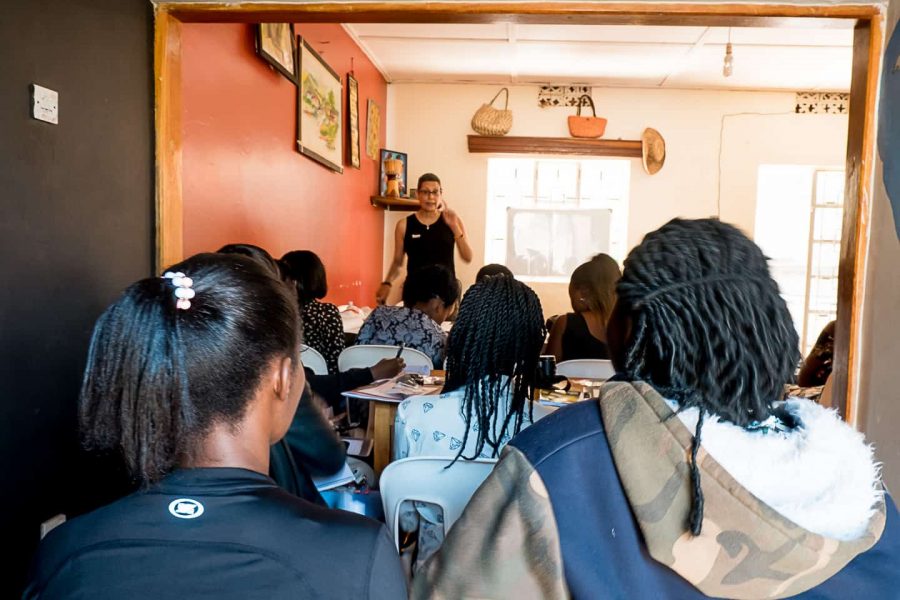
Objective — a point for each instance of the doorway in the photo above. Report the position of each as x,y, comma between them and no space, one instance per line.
867,20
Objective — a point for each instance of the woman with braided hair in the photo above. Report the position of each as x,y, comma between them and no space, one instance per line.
492,357
691,477
191,377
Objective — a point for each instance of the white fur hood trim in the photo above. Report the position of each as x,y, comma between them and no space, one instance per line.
822,475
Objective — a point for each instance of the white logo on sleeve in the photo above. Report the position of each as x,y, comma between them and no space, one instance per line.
185,508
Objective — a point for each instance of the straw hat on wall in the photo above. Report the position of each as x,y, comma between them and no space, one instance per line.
653,150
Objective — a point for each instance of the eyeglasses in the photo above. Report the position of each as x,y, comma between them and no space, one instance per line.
429,192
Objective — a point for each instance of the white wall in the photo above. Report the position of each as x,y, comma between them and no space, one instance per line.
430,122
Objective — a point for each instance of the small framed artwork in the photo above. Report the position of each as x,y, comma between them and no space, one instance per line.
352,122
319,107
373,129
392,173
275,43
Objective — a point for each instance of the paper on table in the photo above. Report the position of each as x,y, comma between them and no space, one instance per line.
342,477
391,391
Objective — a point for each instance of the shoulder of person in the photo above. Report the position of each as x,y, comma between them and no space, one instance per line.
330,308
560,322
559,430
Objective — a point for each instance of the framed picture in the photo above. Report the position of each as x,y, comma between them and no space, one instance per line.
319,107
383,175
352,122
275,43
373,129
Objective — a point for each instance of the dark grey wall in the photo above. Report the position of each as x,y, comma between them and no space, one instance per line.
75,229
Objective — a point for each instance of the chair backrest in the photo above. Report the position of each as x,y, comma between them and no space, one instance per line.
426,479
313,359
355,357
590,368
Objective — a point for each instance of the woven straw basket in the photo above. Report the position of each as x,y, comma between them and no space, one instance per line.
493,121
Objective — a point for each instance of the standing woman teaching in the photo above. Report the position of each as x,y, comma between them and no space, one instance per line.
426,237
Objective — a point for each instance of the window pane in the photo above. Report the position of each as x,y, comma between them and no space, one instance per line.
545,217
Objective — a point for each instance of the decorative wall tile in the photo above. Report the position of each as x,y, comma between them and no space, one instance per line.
561,95
819,103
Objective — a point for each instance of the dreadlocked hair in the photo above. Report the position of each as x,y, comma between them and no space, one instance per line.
709,328
493,354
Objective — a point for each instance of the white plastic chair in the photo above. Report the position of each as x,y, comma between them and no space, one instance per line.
356,357
426,479
310,357
589,368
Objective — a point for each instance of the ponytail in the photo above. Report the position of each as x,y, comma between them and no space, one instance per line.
167,361
136,399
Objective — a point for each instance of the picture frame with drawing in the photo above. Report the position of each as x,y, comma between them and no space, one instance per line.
275,43
319,109
373,129
352,152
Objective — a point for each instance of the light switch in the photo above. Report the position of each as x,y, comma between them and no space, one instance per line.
44,104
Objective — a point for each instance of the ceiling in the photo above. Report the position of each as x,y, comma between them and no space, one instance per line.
609,55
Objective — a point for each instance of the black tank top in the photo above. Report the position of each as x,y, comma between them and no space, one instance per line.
577,341
428,244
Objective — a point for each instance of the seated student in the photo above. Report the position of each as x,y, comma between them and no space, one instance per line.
817,366
429,294
310,448
592,291
192,376
311,438
492,270
492,358
322,325
689,478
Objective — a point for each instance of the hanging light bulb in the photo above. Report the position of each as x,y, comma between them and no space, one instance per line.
728,65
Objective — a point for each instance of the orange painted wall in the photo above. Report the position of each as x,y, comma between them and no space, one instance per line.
243,179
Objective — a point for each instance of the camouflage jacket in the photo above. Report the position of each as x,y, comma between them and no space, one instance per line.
592,502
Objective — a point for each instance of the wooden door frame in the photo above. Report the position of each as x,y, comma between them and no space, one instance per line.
868,19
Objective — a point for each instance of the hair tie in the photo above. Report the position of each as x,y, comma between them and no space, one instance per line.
183,291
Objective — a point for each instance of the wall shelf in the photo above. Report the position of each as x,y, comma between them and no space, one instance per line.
391,203
547,145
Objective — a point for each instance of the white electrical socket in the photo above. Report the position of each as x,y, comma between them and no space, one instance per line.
51,524
44,104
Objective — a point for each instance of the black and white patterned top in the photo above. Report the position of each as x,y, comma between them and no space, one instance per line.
323,330
395,325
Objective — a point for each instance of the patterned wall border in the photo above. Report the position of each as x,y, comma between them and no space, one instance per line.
821,103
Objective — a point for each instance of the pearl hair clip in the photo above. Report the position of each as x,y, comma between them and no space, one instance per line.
183,291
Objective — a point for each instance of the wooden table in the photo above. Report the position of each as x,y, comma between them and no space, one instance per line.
381,428
381,432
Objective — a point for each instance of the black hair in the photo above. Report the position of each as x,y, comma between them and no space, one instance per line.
258,254
494,346
597,278
432,281
709,328
428,177
305,268
492,270
159,377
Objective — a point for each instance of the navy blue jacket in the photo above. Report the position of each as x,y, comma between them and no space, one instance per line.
602,547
